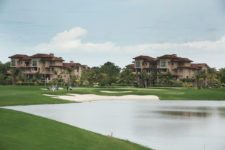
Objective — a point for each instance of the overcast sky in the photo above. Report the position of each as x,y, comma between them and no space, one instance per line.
95,31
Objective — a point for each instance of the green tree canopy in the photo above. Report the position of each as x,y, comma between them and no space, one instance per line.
4,78
110,72
222,75
127,77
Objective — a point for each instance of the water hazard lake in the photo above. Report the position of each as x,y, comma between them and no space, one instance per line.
162,125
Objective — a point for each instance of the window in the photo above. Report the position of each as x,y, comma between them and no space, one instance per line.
20,62
34,63
27,64
51,63
138,64
163,63
13,63
144,64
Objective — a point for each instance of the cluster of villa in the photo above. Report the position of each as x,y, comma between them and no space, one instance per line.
178,67
47,66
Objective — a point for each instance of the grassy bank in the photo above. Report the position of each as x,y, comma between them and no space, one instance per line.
25,95
21,131
29,95
163,93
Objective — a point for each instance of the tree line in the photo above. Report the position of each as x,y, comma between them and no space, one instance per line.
107,75
110,74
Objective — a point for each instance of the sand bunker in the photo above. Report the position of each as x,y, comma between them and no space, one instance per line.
93,97
115,92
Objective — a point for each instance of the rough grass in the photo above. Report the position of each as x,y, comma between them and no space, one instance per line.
21,131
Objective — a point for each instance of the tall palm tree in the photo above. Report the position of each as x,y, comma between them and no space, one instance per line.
213,78
201,79
144,77
16,73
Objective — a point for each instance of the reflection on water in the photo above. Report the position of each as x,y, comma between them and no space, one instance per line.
190,112
163,125
183,114
221,111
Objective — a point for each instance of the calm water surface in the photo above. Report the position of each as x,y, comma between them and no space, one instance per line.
162,125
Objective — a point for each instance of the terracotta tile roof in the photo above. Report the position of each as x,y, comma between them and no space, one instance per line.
199,65
39,55
168,56
71,65
145,58
180,59
19,56
175,58
47,56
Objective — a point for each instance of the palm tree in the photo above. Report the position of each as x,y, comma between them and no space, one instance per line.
144,77
201,79
213,78
69,70
16,75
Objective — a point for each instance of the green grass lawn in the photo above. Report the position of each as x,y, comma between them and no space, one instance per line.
163,93
21,131
25,95
29,95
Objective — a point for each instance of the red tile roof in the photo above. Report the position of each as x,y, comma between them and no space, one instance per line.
145,58
71,65
50,57
175,58
168,56
199,66
180,59
18,56
38,55
58,59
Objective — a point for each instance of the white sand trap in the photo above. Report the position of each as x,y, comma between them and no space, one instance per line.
115,92
93,97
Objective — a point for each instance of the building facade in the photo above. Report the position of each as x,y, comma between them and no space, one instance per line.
46,67
178,67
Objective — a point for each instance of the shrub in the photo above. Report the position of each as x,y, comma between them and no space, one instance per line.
187,85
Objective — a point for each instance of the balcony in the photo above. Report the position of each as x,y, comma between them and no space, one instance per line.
38,72
31,72
163,70
47,72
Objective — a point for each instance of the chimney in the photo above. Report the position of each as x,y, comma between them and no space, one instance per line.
71,62
51,54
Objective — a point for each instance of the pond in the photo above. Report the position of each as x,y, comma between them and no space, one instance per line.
162,125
